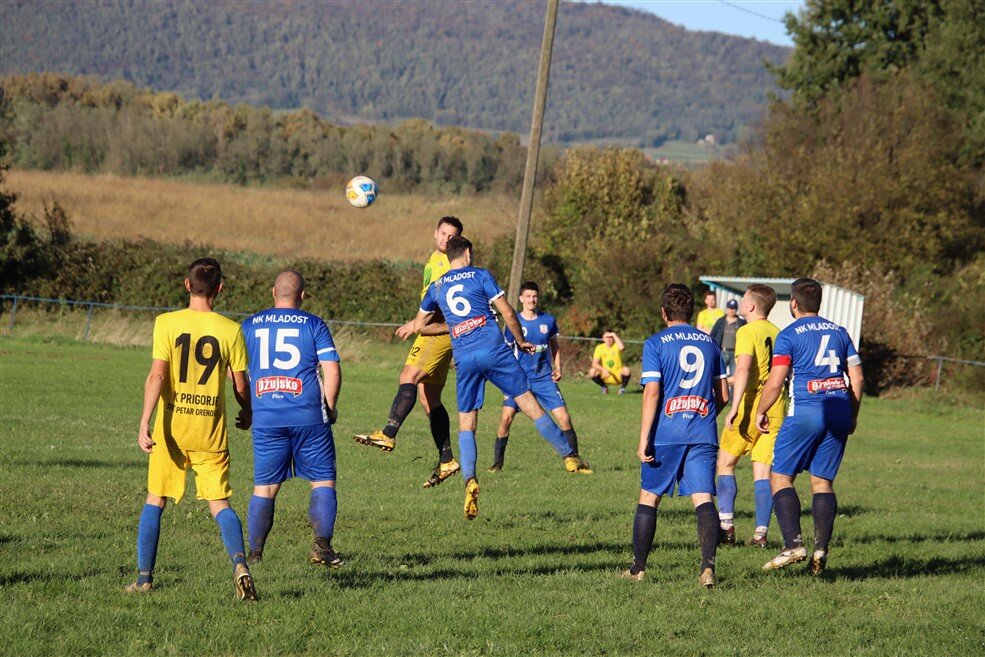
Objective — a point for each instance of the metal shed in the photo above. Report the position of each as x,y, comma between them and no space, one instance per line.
840,305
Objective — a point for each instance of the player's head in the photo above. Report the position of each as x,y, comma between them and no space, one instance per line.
711,300
677,303
731,308
805,297
459,250
758,300
448,227
204,278
608,337
529,295
288,289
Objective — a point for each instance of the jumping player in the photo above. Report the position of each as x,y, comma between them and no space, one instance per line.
292,414
187,383
684,389
818,355
607,368
543,368
753,351
464,296
426,370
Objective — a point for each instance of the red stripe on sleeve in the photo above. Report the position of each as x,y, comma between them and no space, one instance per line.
782,359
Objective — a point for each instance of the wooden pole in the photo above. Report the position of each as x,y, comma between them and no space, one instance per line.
533,153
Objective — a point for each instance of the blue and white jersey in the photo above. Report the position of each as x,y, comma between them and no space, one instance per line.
284,347
538,332
686,363
463,296
819,353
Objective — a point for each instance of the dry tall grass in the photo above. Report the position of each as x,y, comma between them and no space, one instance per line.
283,222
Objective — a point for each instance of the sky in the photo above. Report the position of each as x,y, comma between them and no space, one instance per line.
758,19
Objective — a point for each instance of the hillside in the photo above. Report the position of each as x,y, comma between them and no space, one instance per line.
617,73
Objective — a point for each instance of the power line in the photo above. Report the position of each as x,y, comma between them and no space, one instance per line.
750,11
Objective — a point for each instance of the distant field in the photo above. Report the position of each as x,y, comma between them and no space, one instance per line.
535,574
286,222
685,152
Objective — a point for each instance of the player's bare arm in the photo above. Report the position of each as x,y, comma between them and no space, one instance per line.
241,390
421,321
651,395
619,345
331,372
556,360
771,392
512,323
743,364
152,392
855,382
721,395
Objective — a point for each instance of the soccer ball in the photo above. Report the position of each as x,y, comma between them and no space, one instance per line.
361,191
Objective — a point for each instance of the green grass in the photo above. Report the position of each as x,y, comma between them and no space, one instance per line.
534,574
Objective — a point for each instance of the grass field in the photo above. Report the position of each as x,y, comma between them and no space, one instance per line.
534,574
309,223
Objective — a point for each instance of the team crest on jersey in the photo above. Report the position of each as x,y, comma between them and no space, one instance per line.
686,403
543,329
468,325
287,384
816,386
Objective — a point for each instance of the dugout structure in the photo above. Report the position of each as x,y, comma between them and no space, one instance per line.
840,305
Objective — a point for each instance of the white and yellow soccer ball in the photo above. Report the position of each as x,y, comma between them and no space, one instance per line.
361,191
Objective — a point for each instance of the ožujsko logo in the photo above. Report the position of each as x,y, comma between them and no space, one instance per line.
287,384
826,385
687,403
468,325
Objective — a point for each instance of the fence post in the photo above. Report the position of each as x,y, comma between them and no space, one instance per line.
85,336
940,367
13,313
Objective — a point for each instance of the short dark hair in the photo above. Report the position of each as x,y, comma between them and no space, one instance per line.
677,302
529,285
457,246
711,292
204,277
764,296
807,293
451,221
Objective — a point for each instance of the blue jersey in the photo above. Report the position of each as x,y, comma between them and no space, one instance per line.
284,347
819,354
686,363
463,296
538,332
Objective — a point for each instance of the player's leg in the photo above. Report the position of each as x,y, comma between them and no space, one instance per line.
313,455
597,375
697,479
467,423
503,433
429,393
563,420
657,479
551,433
824,504
727,492
403,404
763,498
624,375
166,470
271,468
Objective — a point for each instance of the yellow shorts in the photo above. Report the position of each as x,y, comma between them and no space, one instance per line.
169,464
431,353
611,379
743,438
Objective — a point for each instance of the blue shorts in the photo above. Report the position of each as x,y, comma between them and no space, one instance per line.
545,390
283,452
814,442
691,467
497,365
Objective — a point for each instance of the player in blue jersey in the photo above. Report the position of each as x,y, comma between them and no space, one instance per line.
825,395
685,387
292,414
464,296
543,368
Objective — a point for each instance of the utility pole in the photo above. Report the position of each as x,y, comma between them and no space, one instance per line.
533,153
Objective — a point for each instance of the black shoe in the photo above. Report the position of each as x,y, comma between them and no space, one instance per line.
254,557
322,552
726,536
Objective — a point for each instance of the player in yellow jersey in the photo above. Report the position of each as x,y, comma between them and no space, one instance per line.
192,350
607,368
425,371
753,353
712,313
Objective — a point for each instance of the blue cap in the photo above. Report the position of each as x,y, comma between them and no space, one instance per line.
733,304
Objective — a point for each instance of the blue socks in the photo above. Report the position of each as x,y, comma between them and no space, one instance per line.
148,534
727,490
467,453
764,504
232,534
259,520
546,428
322,509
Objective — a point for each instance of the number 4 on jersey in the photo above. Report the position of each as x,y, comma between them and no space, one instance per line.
831,359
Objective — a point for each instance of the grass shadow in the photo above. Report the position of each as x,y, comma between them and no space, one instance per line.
899,567
916,538
81,463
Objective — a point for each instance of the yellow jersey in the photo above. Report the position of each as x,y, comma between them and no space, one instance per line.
707,318
610,357
198,347
756,339
436,266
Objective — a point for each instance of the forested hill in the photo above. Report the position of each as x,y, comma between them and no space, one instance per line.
617,73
